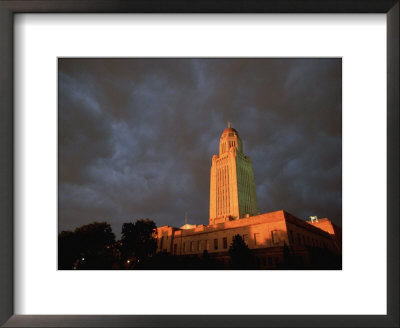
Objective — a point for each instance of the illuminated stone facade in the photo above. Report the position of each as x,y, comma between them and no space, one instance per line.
232,187
265,234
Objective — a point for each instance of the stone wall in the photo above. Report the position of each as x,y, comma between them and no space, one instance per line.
266,230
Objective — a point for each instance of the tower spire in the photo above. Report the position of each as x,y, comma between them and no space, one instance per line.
229,124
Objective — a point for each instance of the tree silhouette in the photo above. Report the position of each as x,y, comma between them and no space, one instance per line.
138,240
127,240
288,261
241,256
68,250
87,247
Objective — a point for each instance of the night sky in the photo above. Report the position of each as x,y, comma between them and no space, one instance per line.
136,136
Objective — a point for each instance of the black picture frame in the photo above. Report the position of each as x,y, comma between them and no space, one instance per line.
10,7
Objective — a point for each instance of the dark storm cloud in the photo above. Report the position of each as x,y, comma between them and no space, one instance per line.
136,136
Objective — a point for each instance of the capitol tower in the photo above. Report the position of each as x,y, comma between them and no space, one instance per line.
232,187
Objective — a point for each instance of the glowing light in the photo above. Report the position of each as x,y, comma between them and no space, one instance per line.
128,261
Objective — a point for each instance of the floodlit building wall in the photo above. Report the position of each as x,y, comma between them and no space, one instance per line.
327,225
260,232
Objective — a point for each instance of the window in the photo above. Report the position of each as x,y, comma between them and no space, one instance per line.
175,247
245,238
299,239
161,242
199,245
207,247
275,237
215,243
270,261
225,241
257,240
264,261
304,240
291,237
184,247
192,246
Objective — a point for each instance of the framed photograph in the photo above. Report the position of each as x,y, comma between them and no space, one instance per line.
194,165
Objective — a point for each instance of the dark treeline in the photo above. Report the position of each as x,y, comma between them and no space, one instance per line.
94,247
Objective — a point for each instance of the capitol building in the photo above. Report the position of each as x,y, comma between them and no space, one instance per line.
234,211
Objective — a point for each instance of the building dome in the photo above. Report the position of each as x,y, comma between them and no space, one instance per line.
229,139
227,130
